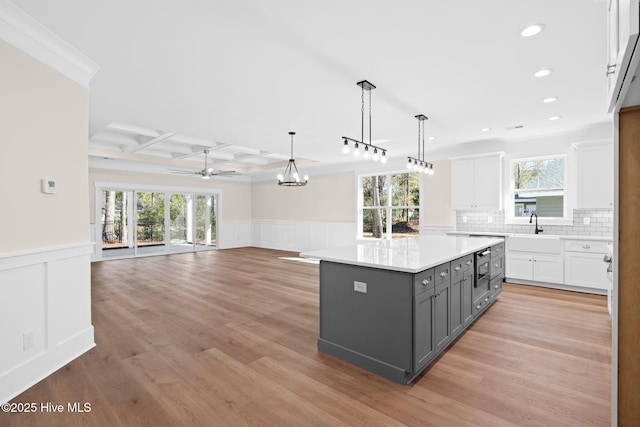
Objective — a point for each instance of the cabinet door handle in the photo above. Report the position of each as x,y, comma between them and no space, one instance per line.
457,268
495,286
478,306
497,265
443,274
425,282
469,262
611,69
486,299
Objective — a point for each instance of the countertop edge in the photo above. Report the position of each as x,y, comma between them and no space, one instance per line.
489,242
560,236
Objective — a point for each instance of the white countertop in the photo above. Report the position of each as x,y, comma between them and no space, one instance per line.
410,255
559,236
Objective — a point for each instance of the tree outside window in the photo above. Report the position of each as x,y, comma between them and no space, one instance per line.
390,205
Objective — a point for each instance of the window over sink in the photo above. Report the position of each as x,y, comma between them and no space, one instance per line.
538,186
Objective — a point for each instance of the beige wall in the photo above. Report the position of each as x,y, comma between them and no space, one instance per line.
436,193
43,135
236,195
324,198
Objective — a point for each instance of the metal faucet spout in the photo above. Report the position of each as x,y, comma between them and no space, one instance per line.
537,230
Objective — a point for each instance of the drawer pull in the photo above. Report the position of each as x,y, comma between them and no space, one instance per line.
457,268
586,247
443,274
478,306
425,282
486,299
469,262
495,286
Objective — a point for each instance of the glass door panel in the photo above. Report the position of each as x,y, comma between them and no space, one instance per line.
150,222
180,223
117,234
203,207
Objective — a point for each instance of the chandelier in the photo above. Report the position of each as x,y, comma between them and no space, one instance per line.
361,148
418,164
291,176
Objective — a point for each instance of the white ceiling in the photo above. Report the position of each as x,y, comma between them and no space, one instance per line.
237,76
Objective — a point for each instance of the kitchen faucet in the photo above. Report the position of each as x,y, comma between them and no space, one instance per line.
538,230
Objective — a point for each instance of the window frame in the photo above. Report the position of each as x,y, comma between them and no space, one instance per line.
389,207
567,214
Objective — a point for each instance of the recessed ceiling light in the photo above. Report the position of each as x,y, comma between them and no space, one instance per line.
554,118
485,129
532,30
550,99
542,73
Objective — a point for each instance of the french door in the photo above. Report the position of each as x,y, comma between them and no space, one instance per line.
150,222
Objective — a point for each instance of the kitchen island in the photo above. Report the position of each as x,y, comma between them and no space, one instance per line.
391,307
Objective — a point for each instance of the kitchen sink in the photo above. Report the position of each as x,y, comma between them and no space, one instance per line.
534,243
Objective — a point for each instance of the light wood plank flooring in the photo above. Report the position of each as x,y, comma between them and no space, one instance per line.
228,338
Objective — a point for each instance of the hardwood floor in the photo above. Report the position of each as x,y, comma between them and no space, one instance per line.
228,337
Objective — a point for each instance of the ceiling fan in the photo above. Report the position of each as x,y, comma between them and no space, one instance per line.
207,172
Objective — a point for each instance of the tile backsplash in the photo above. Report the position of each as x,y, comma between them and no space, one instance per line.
601,223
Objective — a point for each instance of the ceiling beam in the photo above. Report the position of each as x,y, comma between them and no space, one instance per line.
152,141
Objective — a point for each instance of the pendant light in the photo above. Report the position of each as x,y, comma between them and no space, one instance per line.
418,164
291,176
361,148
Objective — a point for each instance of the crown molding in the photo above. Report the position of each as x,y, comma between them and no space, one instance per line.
25,33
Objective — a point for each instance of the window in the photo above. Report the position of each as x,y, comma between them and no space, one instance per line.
538,186
389,205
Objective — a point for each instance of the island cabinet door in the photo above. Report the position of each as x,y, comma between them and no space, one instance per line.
457,319
423,342
442,316
467,298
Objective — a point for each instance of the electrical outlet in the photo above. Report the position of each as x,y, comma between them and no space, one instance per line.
360,287
587,220
490,219
464,218
27,340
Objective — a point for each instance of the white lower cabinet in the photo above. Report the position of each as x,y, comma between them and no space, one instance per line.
535,267
584,265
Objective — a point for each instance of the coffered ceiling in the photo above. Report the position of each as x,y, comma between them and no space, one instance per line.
234,77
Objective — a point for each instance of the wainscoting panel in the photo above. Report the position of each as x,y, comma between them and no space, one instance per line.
300,236
234,233
45,310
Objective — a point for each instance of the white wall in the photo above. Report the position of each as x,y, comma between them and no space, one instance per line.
45,289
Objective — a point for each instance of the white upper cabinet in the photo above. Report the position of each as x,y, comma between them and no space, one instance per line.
595,176
476,183
623,29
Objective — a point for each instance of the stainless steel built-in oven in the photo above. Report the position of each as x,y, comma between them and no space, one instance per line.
483,273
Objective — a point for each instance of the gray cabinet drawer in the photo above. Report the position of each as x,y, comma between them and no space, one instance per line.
496,286
460,266
497,250
497,266
443,273
481,303
424,281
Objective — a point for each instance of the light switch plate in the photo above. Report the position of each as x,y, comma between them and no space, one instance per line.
587,220
464,218
360,287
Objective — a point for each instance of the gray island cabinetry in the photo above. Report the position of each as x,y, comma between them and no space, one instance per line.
391,307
